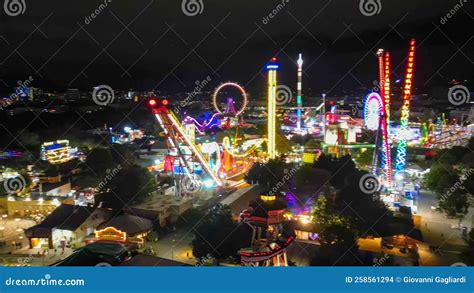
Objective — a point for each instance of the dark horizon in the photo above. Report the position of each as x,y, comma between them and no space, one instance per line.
61,46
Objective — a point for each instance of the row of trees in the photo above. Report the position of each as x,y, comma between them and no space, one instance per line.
451,177
121,181
342,212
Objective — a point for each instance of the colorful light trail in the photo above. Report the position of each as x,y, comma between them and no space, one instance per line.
405,112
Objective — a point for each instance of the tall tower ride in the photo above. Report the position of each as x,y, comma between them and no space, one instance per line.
272,68
299,99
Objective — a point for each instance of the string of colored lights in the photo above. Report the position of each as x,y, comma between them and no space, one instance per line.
299,99
202,126
387,161
226,144
405,112
272,84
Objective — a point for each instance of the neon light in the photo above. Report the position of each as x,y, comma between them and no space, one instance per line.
271,125
233,84
405,111
299,100
386,158
373,110
111,234
374,117
193,148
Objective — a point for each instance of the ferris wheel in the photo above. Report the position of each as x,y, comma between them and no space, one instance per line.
373,111
374,119
235,112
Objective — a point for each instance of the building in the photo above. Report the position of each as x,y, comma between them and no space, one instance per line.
68,225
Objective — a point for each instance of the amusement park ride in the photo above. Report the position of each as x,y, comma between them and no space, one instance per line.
214,162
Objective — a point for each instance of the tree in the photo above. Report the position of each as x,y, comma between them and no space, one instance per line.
218,235
364,159
468,254
190,218
99,160
129,185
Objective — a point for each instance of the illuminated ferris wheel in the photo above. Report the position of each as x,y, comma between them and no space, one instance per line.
373,111
374,119
244,97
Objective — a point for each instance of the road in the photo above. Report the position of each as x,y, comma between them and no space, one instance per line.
438,231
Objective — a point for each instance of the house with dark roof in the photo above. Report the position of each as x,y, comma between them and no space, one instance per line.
67,225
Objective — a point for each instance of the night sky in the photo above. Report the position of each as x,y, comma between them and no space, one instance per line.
152,44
